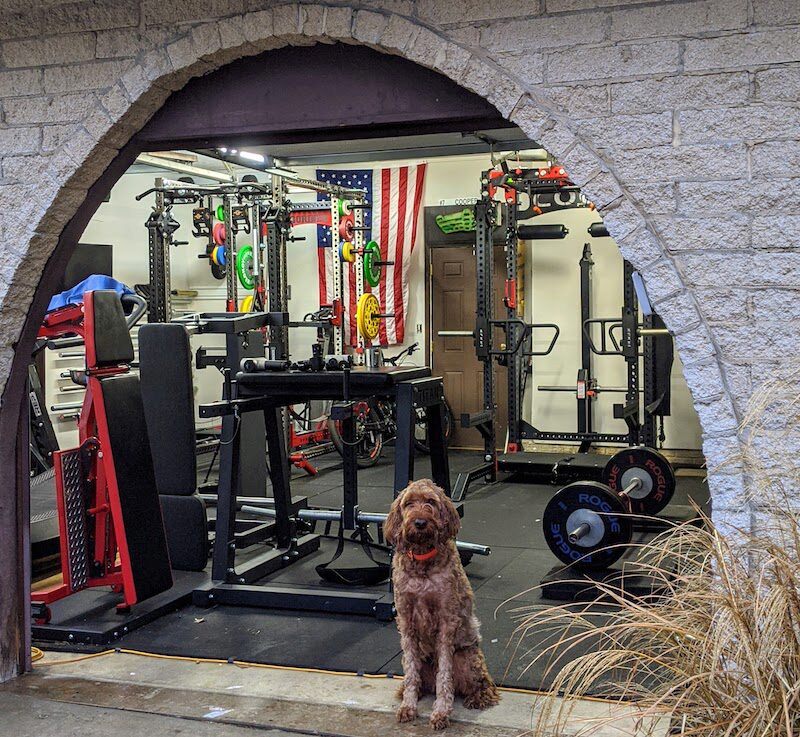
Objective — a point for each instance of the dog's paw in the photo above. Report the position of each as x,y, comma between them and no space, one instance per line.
482,699
406,714
439,720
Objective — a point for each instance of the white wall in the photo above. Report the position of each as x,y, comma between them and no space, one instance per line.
551,290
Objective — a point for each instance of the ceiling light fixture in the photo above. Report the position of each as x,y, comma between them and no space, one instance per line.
250,156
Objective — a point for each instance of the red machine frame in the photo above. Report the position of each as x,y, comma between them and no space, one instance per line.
108,554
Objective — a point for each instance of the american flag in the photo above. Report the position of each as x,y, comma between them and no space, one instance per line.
396,195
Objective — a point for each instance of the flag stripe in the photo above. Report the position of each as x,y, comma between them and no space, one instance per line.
383,212
401,267
322,263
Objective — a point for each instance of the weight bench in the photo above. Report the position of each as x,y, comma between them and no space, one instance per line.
108,506
245,583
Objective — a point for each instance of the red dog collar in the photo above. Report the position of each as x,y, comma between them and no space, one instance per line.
423,556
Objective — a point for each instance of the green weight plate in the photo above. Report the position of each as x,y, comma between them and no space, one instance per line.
244,267
372,270
344,208
220,212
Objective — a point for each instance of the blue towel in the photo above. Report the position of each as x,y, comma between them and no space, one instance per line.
94,282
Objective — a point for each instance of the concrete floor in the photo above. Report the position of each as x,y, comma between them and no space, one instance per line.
124,694
30,716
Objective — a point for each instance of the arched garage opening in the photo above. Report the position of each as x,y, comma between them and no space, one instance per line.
450,109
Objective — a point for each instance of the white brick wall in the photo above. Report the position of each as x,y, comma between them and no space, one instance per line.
680,118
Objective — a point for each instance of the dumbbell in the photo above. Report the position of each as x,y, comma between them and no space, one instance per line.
588,524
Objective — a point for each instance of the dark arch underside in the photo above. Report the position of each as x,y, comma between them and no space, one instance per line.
315,93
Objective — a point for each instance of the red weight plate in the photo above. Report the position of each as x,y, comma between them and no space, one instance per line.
346,230
218,233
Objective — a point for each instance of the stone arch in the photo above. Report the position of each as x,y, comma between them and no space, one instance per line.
62,181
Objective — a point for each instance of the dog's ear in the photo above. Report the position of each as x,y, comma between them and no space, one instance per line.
451,522
393,523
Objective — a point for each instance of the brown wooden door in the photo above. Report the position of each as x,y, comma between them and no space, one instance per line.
453,305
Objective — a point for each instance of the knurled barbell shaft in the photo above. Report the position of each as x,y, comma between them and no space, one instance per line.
579,532
455,333
335,515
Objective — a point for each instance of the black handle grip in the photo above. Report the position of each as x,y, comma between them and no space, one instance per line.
542,232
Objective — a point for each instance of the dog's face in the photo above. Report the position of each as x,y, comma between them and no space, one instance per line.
421,516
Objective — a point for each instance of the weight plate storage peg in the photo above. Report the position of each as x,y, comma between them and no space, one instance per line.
245,267
656,479
586,525
372,267
368,318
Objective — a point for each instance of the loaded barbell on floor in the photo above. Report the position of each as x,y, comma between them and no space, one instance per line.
588,524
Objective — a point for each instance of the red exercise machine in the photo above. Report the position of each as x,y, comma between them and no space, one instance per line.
110,524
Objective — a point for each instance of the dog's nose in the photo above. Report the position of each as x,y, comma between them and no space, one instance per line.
420,524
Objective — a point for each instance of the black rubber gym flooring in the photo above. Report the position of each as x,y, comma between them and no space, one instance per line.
506,516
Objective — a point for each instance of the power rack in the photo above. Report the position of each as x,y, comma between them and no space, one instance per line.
507,197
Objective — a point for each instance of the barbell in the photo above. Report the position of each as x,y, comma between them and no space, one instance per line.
335,515
588,524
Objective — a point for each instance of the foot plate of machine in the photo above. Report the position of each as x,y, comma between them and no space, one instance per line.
90,617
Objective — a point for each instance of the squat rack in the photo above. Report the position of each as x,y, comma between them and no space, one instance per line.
270,216
550,189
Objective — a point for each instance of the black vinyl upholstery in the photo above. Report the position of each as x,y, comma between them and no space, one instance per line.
165,359
110,336
187,531
662,374
133,466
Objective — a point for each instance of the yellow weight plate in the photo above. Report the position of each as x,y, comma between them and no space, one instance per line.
347,252
367,319
247,304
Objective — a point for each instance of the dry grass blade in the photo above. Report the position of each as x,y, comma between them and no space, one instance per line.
719,650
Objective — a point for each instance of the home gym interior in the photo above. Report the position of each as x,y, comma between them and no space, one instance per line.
274,320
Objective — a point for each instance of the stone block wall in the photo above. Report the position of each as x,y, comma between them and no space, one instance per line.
679,118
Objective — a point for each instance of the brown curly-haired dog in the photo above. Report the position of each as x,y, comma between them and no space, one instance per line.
439,632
